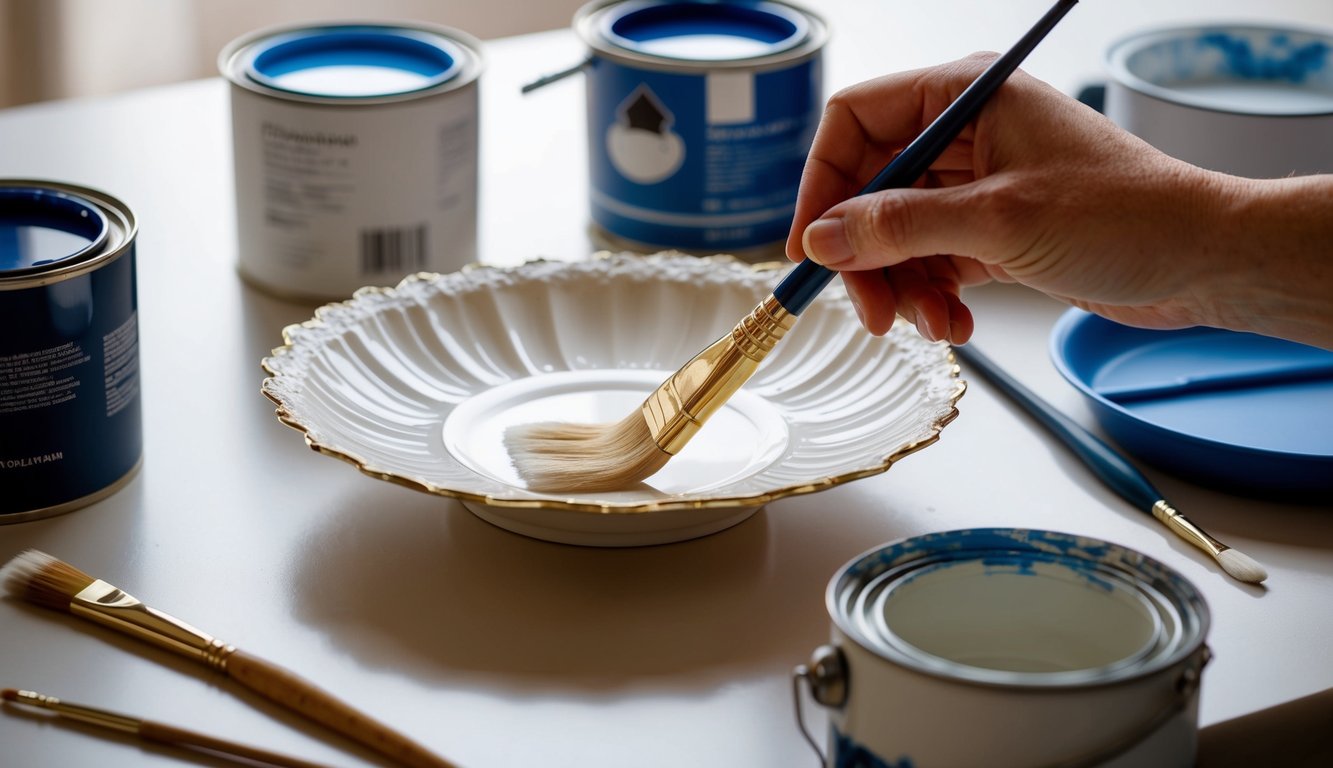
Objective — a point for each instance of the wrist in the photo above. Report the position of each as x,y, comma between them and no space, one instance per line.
1271,270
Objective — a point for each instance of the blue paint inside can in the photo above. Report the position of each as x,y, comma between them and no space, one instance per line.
706,31
41,228
353,62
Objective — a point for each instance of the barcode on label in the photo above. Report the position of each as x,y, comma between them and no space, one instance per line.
393,250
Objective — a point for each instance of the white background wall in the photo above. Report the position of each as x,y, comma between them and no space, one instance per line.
69,48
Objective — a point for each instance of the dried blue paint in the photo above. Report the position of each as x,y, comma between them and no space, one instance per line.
1013,551
1281,60
847,753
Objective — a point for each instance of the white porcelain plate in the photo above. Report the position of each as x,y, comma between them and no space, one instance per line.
416,385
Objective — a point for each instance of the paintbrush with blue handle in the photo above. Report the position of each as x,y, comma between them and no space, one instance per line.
1112,468
562,457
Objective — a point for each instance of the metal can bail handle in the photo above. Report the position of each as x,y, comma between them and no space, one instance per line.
826,675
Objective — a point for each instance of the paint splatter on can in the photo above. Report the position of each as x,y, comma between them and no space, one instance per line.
1048,648
71,428
355,149
700,116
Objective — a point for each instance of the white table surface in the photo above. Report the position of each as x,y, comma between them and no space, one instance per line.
498,650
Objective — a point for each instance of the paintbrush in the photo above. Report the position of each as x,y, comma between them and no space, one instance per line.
553,456
44,580
1112,468
148,730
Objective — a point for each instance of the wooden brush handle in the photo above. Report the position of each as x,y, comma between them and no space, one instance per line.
178,737
280,685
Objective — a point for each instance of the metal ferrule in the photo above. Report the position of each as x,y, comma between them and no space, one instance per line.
679,408
80,712
1186,529
109,606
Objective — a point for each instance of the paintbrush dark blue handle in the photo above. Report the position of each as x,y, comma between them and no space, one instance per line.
804,283
1104,461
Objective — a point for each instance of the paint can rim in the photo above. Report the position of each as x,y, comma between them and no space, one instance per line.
114,223
596,24
1181,606
1121,51
437,59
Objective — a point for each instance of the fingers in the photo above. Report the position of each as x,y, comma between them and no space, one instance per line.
925,292
865,125
890,227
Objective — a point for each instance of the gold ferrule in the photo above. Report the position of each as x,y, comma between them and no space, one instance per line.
677,410
81,713
1186,529
111,607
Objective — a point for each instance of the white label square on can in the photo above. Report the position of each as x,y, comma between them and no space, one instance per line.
730,97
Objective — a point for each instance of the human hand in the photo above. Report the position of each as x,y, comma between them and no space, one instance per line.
1039,190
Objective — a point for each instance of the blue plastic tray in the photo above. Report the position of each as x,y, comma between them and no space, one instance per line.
1234,411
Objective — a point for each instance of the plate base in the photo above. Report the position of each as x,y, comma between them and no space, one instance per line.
611,530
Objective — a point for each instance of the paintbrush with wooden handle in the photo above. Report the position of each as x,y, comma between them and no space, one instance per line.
149,730
47,581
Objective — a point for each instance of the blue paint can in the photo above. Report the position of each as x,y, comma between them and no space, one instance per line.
70,409
1048,648
700,117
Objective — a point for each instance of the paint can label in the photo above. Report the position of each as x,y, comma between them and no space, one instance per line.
70,403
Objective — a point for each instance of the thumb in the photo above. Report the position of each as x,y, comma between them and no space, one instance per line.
889,227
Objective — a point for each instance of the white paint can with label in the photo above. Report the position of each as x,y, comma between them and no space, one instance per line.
355,149
1009,648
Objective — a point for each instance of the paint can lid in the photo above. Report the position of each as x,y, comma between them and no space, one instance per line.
361,61
42,229
689,30
1018,608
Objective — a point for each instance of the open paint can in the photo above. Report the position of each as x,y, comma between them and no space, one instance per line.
355,154
1247,99
71,428
700,117
1009,647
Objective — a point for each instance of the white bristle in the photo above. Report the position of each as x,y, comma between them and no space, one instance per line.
1241,566
18,573
584,458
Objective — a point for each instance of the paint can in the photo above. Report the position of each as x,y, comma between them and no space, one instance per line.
1246,99
700,117
71,427
355,149
1009,647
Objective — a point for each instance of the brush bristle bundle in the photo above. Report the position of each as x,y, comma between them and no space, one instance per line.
42,579
1241,566
584,458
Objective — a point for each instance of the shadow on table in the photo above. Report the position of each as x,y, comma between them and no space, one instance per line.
463,595
1293,735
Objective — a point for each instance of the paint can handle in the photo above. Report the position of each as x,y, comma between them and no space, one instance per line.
545,80
826,674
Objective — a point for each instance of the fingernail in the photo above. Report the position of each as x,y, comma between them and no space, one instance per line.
923,328
825,241
860,313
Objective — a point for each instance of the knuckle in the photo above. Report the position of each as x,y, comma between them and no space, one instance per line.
885,228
